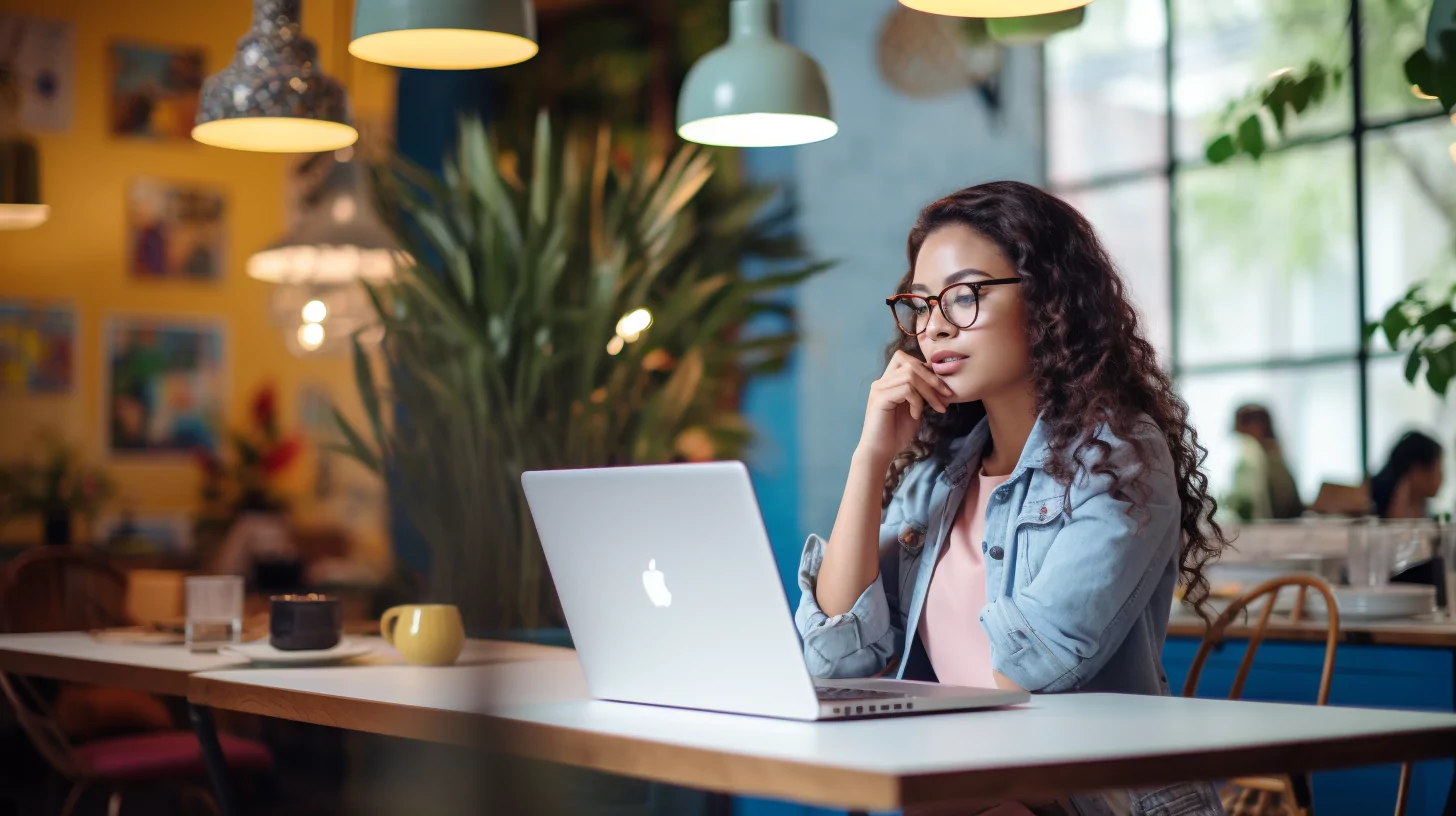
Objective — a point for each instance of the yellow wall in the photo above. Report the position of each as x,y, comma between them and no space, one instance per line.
78,257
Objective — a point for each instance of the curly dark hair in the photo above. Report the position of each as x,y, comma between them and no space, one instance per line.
1089,359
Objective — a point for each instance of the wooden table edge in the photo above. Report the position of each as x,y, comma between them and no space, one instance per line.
1317,634
172,682
819,785
687,766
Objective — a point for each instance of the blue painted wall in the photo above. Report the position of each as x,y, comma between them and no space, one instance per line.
859,193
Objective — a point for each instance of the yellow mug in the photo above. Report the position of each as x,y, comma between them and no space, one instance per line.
424,634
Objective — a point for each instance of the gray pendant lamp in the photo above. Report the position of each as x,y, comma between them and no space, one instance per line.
992,8
444,34
755,90
339,240
20,204
1035,29
274,97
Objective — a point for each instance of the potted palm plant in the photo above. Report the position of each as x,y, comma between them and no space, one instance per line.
585,312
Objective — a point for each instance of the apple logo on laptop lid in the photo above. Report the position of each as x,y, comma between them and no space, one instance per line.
656,585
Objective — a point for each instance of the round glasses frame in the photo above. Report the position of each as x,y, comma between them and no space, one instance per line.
939,300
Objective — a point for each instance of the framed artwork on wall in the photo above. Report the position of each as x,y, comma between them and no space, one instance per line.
42,53
175,231
165,384
37,348
155,90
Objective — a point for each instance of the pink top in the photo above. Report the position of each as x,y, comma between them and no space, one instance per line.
951,630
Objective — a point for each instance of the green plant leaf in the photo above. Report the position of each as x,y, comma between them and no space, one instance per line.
1413,365
354,445
1394,324
1221,149
1438,316
1440,367
364,379
1251,136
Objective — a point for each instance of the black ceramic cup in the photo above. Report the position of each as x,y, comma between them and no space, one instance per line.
304,622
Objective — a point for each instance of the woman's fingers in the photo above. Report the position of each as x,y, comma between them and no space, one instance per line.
931,394
927,385
908,395
920,369
932,381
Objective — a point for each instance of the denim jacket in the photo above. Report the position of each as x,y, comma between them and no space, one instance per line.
1079,583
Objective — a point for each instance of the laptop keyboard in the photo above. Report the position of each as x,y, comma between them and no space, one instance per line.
837,693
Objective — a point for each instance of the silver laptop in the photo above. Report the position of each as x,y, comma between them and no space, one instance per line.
673,598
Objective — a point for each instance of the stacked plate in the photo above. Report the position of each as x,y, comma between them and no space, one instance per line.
1370,603
1379,602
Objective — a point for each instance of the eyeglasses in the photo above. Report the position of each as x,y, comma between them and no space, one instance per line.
959,302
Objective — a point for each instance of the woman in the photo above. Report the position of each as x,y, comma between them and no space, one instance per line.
1263,487
1025,494
1411,475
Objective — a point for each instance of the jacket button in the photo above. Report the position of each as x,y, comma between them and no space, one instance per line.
983,548
997,553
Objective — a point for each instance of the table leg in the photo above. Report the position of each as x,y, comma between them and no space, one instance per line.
217,769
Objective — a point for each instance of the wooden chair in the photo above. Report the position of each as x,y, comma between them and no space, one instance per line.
168,759
61,589
1255,795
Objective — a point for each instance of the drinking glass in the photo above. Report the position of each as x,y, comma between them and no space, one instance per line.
1448,559
1370,553
214,611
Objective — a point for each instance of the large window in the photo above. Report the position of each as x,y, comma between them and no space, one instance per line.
1254,278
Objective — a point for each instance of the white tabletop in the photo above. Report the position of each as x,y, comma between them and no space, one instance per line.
1055,744
164,668
79,657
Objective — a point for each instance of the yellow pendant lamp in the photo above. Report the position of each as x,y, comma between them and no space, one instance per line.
992,8
273,97
444,34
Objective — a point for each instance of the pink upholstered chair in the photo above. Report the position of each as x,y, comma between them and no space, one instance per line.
170,759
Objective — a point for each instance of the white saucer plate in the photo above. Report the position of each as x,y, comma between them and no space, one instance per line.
260,651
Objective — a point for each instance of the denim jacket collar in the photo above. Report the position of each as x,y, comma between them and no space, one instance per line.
965,453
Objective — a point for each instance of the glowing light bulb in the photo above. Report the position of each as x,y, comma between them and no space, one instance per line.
311,336
315,311
634,323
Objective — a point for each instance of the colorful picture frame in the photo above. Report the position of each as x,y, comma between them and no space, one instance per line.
165,385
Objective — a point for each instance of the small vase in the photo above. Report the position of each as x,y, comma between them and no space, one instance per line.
57,527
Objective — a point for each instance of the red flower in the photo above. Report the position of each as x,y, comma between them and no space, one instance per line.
265,407
280,456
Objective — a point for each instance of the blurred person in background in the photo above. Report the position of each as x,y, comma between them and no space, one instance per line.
1412,475
1263,487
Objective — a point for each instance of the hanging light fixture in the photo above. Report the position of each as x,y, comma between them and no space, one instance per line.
992,8
339,240
20,204
444,34
273,97
756,90
319,320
